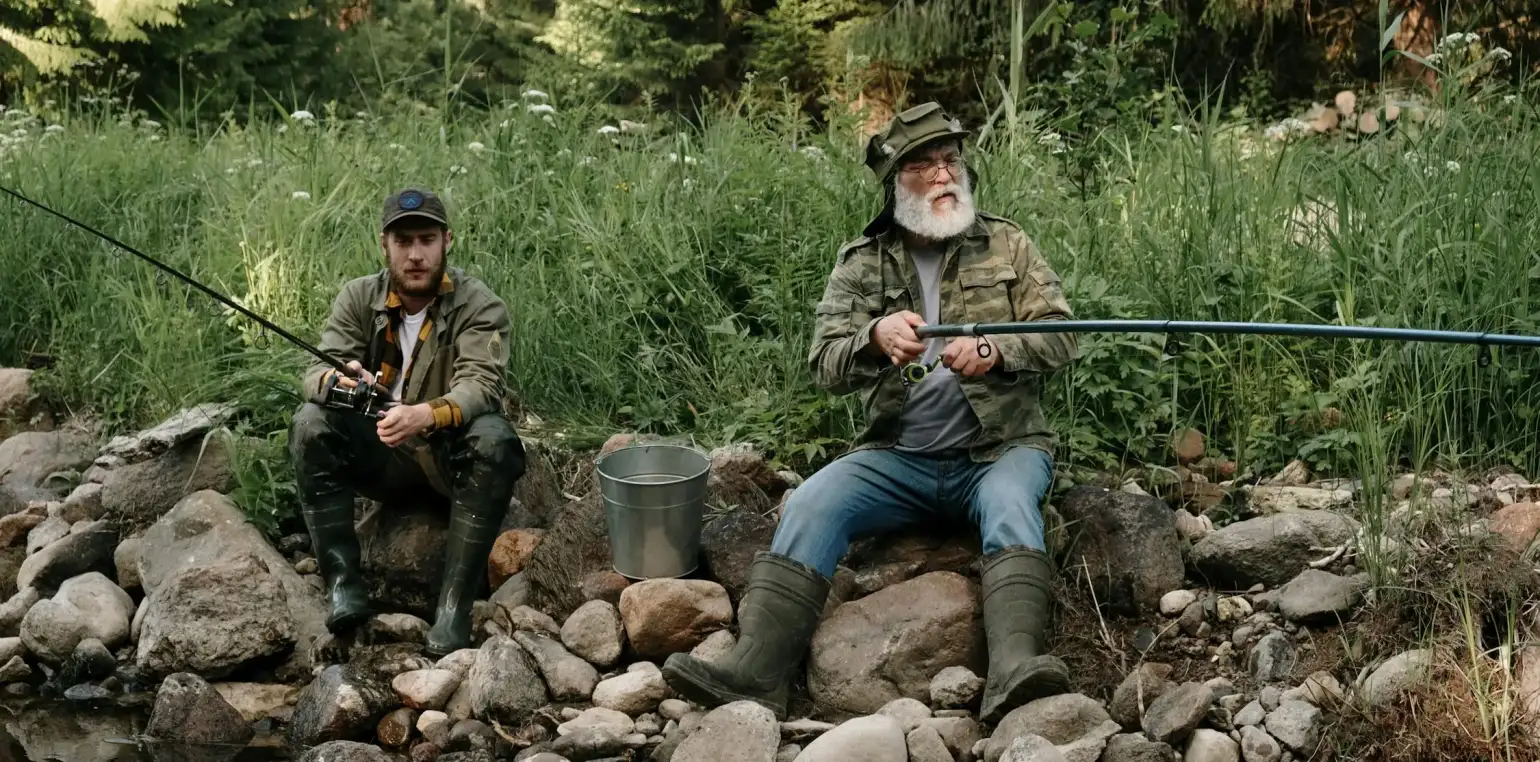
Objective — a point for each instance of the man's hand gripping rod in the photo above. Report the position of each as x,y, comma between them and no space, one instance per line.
366,398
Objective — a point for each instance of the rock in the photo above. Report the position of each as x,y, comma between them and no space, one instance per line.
925,745
1269,697
510,554
1251,714
1269,549
1269,499
889,644
215,620
189,424
567,677
44,532
632,692
715,647
388,660
1127,544
1031,748
90,661
1137,691
1187,445
960,734
1062,720
1089,747
458,662
189,710
345,751
575,548
595,633
604,586
207,530
1316,596
1320,689
126,563
665,616
1177,712
740,731
909,712
1192,528
89,550
1234,608
876,738
673,709
1398,674
256,701
427,688
14,609
29,458
15,399
588,744
955,687
1518,524
1134,747
1212,746
729,544
434,726
616,723
83,504
1273,658
88,606
394,628
135,495
1176,602
395,729
16,670
343,703
504,683
16,526
1296,725
1258,746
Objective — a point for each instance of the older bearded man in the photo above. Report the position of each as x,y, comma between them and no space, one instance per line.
968,441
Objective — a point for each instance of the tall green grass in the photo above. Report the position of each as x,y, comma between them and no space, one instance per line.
664,280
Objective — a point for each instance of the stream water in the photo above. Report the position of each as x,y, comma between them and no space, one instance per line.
65,732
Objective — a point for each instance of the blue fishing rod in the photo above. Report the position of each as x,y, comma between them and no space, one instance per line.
914,372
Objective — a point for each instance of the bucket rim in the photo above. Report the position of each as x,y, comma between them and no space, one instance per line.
600,461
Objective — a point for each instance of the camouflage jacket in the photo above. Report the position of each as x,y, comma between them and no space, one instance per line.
991,273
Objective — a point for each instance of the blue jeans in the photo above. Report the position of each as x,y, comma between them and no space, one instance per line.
870,492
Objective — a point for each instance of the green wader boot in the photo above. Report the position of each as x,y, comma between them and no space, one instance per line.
330,520
1015,592
776,620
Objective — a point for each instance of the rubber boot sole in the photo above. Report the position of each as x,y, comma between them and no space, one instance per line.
1039,677
691,680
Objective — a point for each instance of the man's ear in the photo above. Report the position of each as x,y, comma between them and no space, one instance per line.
449,239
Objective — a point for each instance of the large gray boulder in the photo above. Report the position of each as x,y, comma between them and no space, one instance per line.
28,459
215,620
1126,544
1270,550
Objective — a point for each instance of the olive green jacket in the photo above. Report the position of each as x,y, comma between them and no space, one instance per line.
461,366
990,273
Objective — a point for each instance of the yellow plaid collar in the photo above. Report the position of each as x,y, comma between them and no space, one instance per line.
445,286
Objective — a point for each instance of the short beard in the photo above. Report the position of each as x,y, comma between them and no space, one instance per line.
914,212
427,291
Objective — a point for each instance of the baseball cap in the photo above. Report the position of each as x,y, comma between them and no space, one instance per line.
414,202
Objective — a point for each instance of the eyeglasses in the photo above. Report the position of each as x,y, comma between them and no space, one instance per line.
927,169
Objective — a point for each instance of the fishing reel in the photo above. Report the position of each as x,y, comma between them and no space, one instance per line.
915,372
366,399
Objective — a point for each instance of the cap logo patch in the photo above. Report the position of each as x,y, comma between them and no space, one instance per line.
411,200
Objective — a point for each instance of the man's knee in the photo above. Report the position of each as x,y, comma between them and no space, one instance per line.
491,439
314,430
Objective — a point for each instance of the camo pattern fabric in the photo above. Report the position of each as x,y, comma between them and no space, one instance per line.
991,273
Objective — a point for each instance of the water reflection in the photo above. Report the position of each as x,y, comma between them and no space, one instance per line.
59,732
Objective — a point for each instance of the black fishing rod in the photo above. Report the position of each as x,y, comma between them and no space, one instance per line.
365,398
914,372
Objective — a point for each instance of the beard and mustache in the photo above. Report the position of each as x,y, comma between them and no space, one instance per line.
429,285
915,213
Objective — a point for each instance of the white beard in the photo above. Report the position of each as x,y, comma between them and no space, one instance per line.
915,215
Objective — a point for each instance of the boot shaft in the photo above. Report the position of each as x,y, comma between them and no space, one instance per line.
1016,601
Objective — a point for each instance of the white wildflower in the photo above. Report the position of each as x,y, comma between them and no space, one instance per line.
547,119
626,125
55,128
396,147
1179,128
151,123
154,138
608,129
550,173
535,94
673,157
476,147
541,108
689,159
588,160
1499,54
302,116
1452,166
688,182
564,152
361,115
299,196
503,124
254,163
813,152
230,170
282,128
458,170
1471,38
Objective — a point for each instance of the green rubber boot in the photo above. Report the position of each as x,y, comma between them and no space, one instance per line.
1016,598
776,620
330,521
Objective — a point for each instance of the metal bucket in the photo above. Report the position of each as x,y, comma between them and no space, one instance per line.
654,502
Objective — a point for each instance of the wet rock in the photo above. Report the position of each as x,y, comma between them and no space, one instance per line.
875,738
633,692
1128,544
395,729
214,620
1269,549
394,628
1177,712
426,689
90,661
434,726
1137,692
1061,720
729,544
1296,725
1212,746
88,606
189,710
567,677
1399,673
510,554
595,633
925,745
504,683
665,616
1258,746
256,701
345,751
1134,747
343,703
29,458
88,550
1273,658
890,644
1316,596
741,731
526,619
955,687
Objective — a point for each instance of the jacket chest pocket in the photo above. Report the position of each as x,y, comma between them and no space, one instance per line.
986,292
896,299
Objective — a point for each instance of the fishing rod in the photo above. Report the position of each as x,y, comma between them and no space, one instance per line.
366,398
914,372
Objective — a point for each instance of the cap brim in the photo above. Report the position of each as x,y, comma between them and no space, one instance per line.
921,142
429,216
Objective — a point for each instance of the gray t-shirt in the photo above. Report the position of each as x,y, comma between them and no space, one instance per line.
936,415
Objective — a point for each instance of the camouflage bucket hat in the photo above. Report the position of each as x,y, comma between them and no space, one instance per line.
908,131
